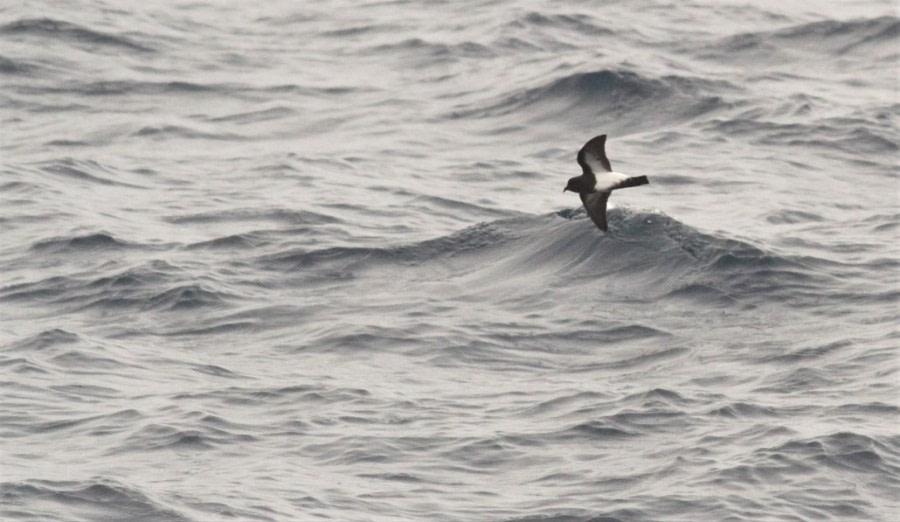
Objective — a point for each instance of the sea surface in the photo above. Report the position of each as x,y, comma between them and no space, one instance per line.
299,261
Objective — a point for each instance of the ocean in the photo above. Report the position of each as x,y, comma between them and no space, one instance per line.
298,261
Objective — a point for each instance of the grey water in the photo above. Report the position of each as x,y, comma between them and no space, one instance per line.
312,261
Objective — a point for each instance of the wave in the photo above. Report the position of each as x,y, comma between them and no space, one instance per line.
184,297
49,28
842,451
15,66
529,32
153,286
163,132
86,500
517,33
852,136
594,430
172,297
789,216
246,241
254,116
85,171
648,254
646,257
624,99
561,22
46,339
241,91
96,241
831,38
616,515
281,215
105,423
155,437
127,87
429,53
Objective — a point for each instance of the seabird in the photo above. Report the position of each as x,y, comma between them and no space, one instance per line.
598,180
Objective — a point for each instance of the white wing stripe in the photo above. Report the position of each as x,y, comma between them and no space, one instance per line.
607,180
594,163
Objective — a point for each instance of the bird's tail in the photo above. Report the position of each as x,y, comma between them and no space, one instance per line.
633,182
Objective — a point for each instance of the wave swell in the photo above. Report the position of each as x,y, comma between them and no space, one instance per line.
56,29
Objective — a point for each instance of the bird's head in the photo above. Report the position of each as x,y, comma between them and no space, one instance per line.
572,185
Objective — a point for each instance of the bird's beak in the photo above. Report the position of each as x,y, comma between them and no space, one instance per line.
565,189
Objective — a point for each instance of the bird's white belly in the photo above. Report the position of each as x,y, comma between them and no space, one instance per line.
607,180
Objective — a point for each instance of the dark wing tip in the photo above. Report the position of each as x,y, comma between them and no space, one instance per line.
595,205
597,141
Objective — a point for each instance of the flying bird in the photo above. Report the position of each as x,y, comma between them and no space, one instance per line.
598,180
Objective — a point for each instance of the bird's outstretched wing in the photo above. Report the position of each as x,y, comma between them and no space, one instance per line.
595,204
592,157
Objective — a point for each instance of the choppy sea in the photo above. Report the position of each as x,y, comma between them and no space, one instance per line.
283,260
